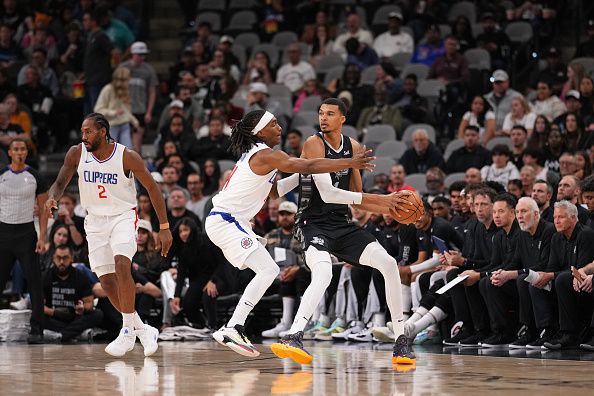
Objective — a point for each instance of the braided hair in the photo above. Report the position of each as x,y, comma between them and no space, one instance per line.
100,122
242,138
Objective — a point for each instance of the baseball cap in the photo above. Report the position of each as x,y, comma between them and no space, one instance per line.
499,75
346,95
395,14
139,48
157,177
177,103
573,94
145,225
226,39
259,87
287,206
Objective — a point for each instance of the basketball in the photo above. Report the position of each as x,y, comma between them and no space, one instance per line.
410,212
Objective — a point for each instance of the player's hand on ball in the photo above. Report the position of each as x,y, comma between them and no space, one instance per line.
166,239
362,159
50,205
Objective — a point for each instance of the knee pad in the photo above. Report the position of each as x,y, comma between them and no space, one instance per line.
320,264
376,256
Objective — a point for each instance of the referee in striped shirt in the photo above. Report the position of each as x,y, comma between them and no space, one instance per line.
20,187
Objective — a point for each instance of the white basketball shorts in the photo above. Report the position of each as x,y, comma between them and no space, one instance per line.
110,236
235,238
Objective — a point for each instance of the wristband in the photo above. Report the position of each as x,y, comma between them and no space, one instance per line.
164,226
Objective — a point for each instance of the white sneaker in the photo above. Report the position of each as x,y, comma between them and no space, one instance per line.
283,333
384,333
354,327
124,343
51,336
275,331
20,305
235,339
362,336
148,337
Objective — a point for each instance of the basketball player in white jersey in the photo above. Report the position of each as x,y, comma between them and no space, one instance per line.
242,197
106,173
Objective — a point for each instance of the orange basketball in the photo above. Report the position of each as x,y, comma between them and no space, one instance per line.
410,212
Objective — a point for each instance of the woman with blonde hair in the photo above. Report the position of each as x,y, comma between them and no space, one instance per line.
575,73
114,104
520,114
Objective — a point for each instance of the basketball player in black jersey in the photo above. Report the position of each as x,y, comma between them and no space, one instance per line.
324,227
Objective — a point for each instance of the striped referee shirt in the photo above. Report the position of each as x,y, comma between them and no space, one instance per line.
18,191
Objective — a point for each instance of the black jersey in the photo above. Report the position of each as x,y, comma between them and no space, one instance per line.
311,206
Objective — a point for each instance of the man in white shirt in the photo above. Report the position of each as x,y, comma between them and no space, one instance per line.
296,72
353,25
393,41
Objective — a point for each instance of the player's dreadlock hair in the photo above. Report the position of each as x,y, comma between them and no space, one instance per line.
242,138
100,122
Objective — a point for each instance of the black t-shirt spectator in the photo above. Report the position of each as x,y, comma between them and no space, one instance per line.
149,265
212,148
462,159
415,163
188,213
97,60
408,249
442,229
500,39
65,293
10,130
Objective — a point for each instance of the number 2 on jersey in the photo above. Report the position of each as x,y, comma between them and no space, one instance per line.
101,191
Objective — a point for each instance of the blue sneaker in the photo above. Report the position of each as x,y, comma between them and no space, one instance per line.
427,337
291,346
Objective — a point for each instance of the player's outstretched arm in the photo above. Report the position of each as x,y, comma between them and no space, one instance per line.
277,159
64,176
134,163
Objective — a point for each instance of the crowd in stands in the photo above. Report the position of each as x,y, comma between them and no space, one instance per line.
484,108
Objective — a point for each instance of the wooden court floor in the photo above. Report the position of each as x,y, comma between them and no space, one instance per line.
205,368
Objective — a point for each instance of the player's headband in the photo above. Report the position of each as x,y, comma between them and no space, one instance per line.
266,118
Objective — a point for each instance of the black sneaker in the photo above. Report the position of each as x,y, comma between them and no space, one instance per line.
562,341
474,340
544,336
588,346
522,341
291,346
403,353
35,337
455,340
496,341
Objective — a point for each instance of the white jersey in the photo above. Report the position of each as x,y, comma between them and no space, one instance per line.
245,192
104,188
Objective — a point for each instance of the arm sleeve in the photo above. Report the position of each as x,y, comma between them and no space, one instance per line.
331,194
287,184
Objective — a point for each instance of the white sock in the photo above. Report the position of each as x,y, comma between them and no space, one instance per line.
406,299
398,328
415,294
433,316
138,323
266,271
419,313
128,320
288,305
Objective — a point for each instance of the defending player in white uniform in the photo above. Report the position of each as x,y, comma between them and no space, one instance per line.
242,197
106,172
